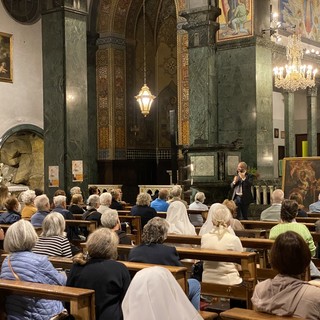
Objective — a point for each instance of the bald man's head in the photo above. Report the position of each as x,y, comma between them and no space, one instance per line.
277,196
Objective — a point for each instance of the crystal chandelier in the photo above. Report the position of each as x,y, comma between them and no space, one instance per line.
145,97
294,76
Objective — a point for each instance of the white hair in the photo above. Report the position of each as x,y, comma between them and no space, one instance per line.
28,196
105,198
59,200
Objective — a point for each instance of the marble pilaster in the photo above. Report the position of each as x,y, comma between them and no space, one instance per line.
312,120
289,124
202,27
64,43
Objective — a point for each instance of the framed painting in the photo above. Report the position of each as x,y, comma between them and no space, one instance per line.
236,19
5,57
301,176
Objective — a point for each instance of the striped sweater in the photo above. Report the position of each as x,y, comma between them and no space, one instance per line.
53,246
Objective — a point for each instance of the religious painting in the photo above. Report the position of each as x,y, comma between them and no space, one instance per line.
54,176
236,19
5,57
301,176
304,15
77,171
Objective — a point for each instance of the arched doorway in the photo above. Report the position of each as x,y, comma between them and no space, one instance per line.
134,150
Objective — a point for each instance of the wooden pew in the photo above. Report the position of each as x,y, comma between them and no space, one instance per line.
259,244
82,301
314,214
179,273
245,314
91,225
307,219
77,216
136,229
162,214
245,259
203,213
251,233
256,224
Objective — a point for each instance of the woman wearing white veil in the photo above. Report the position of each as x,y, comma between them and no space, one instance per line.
219,238
154,294
208,225
177,217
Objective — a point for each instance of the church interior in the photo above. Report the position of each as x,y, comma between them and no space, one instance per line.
207,108
74,69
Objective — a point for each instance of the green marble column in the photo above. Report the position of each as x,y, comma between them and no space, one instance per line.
64,46
312,120
289,124
201,27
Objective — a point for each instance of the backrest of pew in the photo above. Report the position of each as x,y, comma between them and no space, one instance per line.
307,219
245,314
77,216
180,273
255,224
245,259
313,214
82,301
91,225
135,223
203,213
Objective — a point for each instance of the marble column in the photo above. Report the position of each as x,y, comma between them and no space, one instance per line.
64,47
290,139
312,120
202,27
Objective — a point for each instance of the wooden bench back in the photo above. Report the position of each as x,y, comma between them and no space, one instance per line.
245,314
82,301
135,224
245,259
203,213
91,225
267,225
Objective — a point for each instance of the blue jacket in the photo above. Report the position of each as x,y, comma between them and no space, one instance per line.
9,217
31,267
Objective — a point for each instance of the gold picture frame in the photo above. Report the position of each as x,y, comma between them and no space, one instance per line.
6,57
236,20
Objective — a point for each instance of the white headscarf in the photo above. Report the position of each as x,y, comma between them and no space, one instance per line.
154,294
208,225
178,219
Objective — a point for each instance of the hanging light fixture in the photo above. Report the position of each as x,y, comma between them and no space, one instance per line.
145,97
294,75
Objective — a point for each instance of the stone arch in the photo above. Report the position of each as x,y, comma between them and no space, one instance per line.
116,22
22,155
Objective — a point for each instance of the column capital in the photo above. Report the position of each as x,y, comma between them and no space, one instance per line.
111,41
201,25
77,6
312,91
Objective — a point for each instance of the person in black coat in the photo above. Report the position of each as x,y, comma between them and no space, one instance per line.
143,209
109,278
152,250
241,186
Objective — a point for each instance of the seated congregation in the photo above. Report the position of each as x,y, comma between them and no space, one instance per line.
144,286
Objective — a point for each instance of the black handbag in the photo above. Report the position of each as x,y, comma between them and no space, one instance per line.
196,270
